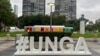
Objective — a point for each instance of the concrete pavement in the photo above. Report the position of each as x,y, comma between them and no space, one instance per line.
95,46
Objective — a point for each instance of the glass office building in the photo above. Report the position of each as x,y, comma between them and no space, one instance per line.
33,7
66,8
62,7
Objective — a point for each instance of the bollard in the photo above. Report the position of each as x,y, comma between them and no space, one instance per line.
8,36
95,38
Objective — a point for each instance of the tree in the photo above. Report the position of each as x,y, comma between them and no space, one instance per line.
73,23
59,20
97,25
40,20
90,26
46,20
7,18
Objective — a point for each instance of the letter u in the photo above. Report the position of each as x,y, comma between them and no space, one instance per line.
32,47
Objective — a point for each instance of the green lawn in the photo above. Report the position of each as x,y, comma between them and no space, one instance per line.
74,35
12,34
86,35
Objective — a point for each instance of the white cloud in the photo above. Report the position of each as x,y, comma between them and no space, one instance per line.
90,8
19,4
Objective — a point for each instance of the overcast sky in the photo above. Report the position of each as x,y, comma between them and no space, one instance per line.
90,8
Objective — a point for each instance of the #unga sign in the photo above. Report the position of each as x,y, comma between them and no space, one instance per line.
26,46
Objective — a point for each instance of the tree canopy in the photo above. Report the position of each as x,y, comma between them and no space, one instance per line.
40,20
45,20
7,18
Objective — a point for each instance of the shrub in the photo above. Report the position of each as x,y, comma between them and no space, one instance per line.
50,34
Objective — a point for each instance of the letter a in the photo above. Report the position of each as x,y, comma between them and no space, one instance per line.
81,45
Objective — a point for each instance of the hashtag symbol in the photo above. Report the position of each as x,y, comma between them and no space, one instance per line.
22,44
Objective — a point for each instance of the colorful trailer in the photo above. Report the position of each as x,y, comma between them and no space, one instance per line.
44,30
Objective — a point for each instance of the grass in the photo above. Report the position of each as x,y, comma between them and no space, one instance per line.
86,35
74,35
2,34
12,34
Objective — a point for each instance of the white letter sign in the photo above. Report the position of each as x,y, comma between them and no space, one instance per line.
70,46
32,47
81,45
48,42
26,46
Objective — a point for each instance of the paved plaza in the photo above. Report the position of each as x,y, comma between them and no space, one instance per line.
7,48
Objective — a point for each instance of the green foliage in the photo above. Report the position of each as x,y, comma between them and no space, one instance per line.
3,34
40,20
59,20
74,35
6,16
12,34
97,25
50,34
29,21
73,23
93,26
45,20
87,35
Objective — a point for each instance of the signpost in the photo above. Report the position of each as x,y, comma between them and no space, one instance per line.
27,47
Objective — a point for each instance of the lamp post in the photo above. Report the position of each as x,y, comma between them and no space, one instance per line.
51,5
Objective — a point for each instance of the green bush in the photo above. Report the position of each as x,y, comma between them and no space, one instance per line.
50,34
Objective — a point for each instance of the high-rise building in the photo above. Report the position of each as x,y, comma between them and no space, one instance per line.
33,7
16,10
62,7
66,8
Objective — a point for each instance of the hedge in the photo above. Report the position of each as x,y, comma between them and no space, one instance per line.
50,34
